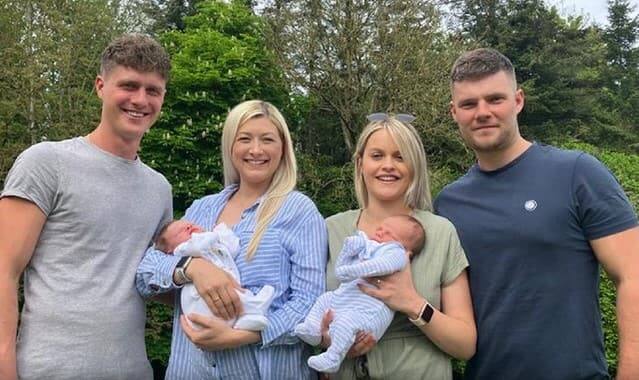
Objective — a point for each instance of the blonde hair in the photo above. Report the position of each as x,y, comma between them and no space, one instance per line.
285,176
412,150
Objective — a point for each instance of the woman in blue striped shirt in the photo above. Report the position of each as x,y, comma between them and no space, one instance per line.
283,244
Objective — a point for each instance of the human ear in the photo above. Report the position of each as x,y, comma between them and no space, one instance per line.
519,99
99,85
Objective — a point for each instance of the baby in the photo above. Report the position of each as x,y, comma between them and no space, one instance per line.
220,247
353,310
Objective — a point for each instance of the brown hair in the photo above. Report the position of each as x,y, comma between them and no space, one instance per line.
418,234
478,64
136,51
160,242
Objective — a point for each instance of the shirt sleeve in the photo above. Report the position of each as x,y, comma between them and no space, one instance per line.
307,244
35,176
155,272
456,260
602,206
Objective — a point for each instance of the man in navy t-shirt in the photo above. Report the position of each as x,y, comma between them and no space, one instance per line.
535,222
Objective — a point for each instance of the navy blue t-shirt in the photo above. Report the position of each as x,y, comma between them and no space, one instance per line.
533,275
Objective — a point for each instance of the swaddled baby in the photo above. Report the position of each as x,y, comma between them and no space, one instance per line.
354,310
220,247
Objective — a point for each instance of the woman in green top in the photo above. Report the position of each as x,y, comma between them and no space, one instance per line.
391,178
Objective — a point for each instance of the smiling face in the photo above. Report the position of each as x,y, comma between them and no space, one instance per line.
131,101
385,173
486,111
176,233
256,152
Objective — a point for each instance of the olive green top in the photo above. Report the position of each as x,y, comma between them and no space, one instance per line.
404,352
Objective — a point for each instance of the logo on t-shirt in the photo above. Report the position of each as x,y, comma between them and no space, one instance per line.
530,205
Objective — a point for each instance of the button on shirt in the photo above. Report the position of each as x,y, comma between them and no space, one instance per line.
291,257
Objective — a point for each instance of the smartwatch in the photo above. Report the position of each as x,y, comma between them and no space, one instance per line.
424,316
180,270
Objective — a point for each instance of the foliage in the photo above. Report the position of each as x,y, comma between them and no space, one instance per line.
621,76
357,57
329,186
158,331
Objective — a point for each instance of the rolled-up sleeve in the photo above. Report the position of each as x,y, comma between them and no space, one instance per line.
155,273
307,245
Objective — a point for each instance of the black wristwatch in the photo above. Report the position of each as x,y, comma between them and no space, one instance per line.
180,270
424,316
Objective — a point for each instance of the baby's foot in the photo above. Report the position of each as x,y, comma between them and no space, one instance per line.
326,362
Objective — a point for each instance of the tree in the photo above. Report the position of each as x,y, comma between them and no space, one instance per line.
622,73
355,57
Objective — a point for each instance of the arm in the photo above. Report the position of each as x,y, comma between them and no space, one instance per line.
156,271
351,249
619,256
20,225
215,334
452,329
385,260
154,275
306,244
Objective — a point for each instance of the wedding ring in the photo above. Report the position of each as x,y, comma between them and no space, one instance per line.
216,299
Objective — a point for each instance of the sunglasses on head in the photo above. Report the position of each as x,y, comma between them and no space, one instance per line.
382,116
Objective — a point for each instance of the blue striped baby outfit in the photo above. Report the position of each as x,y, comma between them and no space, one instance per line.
353,310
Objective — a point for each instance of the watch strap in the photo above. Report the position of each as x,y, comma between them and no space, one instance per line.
424,316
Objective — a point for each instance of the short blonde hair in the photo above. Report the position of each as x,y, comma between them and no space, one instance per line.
285,177
412,150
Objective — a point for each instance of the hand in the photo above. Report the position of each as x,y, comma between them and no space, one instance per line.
216,287
396,290
214,334
326,322
364,341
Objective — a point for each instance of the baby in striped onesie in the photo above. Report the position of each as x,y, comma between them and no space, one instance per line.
354,310
220,247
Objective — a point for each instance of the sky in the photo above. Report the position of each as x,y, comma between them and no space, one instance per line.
595,10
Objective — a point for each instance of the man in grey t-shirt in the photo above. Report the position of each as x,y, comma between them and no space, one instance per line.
76,217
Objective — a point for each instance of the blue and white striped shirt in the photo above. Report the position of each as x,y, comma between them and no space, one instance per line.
291,257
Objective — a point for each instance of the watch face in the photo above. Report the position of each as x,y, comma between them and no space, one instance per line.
182,261
427,314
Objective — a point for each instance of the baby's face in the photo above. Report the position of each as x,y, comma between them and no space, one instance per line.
179,232
393,229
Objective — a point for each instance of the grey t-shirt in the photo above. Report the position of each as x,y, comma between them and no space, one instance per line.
82,317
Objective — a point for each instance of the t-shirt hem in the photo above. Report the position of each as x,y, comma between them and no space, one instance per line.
611,230
23,195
